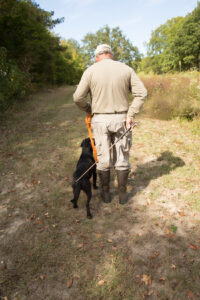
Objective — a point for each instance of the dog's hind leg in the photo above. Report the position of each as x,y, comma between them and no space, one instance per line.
87,189
76,190
95,178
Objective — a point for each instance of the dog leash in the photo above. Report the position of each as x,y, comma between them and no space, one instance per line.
88,122
131,127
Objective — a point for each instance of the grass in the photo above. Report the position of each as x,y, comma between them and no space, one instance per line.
45,244
173,96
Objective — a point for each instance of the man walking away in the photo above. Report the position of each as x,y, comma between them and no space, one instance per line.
109,83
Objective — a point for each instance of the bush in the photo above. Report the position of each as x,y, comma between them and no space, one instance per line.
15,84
171,96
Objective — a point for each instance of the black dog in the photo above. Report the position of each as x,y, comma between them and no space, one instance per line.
85,161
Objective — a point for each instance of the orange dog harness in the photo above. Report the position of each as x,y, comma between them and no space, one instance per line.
88,122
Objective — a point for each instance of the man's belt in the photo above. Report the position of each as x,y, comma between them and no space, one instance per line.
112,113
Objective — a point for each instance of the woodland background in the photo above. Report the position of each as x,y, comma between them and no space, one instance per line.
32,57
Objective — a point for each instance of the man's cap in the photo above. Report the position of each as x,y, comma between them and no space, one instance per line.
103,48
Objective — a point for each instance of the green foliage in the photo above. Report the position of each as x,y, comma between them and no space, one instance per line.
32,55
122,48
74,56
14,84
175,45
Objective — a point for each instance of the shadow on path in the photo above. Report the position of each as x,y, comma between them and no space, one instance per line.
153,169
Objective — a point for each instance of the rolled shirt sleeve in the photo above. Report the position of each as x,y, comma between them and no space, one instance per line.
80,95
139,92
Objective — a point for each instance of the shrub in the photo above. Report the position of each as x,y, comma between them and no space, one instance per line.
171,96
14,84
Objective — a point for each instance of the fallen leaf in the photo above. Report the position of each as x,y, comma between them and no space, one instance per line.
42,277
114,248
173,266
158,294
69,282
101,282
39,222
109,241
5,298
168,232
77,221
154,254
194,247
150,293
98,235
146,279
162,279
137,276
182,214
190,295
2,281
80,246
164,216
40,229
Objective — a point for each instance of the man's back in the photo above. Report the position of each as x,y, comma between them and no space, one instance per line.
110,83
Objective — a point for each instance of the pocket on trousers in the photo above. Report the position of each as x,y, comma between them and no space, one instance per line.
96,134
127,141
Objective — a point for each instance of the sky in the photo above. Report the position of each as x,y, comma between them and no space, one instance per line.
136,18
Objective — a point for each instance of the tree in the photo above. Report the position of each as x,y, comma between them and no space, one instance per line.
161,48
187,43
122,48
29,52
175,43
73,49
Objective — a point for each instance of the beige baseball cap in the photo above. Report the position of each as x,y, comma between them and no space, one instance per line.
103,48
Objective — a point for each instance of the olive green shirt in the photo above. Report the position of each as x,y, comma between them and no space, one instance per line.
109,83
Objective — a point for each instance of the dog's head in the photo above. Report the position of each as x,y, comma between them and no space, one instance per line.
86,143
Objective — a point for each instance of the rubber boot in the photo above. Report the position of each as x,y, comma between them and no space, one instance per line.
122,178
104,181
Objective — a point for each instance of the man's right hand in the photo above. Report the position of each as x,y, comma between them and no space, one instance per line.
129,121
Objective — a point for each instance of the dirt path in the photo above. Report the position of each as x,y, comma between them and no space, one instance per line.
146,249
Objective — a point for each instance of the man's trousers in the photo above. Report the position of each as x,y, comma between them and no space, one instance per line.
107,128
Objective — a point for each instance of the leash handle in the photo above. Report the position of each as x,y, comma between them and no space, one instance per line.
88,122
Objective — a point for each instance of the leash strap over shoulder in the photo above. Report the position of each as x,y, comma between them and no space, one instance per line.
88,122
